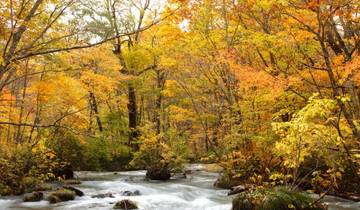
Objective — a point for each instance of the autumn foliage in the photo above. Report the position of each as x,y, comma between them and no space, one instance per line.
268,89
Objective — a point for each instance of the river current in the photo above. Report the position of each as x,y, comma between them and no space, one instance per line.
196,192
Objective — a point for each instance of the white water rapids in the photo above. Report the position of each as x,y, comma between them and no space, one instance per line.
194,193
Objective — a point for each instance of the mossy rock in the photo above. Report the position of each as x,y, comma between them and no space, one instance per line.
33,197
75,190
72,182
61,195
225,181
125,204
53,199
44,187
279,198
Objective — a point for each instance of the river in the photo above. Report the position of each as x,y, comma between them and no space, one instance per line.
194,193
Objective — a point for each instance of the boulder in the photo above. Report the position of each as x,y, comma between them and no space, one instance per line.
158,173
76,191
61,195
103,195
137,192
227,182
65,172
129,193
53,199
33,197
125,204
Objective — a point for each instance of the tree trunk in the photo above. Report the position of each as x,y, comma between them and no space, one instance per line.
19,135
335,88
160,80
132,109
94,107
350,86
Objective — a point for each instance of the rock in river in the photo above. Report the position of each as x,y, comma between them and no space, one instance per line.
103,195
125,204
76,191
158,173
61,195
32,197
129,193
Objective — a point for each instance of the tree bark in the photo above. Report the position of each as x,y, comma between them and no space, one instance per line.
94,107
132,110
335,88
160,82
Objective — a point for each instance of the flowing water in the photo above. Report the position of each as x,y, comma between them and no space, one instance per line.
194,193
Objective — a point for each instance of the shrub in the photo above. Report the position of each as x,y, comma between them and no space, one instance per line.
161,151
91,153
23,168
274,199
97,154
68,148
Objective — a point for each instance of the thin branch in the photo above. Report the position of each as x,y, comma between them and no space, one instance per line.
50,51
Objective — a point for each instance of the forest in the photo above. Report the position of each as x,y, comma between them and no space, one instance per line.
265,94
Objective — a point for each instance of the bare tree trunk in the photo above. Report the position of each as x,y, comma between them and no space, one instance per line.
160,82
141,113
18,132
335,88
8,133
132,110
38,112
94,107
